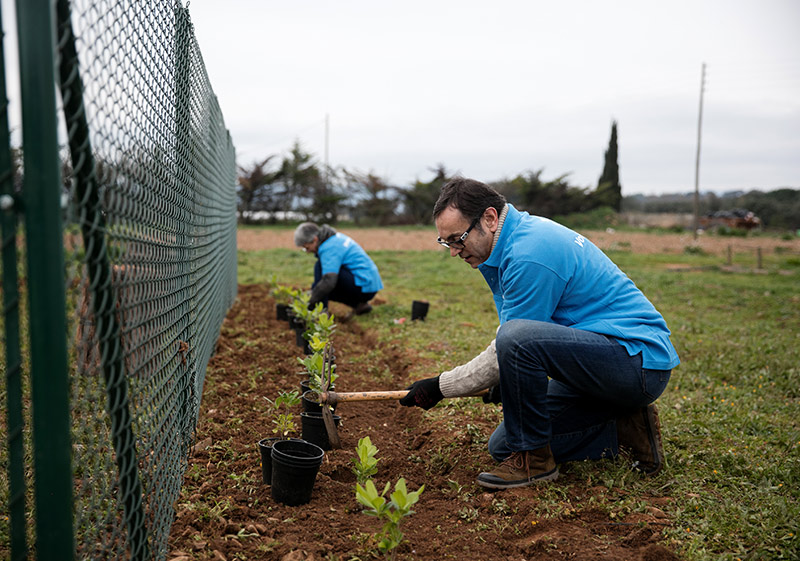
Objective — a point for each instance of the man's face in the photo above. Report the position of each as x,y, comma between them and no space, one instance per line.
451,224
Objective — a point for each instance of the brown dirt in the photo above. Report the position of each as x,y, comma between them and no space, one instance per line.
637,242
225,513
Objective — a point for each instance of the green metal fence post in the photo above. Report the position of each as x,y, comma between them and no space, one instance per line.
45,257
14,409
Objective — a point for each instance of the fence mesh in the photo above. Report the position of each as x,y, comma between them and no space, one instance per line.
150,247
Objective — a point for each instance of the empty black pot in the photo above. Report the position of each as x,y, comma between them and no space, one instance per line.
295,464
265,447
419,309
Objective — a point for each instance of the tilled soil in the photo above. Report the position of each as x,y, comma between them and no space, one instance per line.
225,513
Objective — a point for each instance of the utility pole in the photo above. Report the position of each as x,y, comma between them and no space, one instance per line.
697,157
326,151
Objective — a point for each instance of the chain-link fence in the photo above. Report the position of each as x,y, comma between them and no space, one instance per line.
146,249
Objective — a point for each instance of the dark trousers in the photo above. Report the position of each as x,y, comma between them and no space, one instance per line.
346,291
565,387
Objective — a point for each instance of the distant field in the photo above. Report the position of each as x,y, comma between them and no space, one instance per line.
420,238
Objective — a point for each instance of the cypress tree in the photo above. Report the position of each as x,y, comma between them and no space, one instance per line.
609,190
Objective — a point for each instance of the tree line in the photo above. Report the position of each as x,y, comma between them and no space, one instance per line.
297,187
778,209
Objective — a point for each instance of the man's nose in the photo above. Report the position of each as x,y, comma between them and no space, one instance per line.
454,251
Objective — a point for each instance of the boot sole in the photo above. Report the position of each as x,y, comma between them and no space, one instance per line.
654,436
501,484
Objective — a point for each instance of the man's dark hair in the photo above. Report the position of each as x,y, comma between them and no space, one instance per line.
469,196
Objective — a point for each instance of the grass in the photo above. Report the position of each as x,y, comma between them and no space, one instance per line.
731,413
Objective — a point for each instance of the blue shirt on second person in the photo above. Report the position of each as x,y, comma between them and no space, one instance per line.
341,250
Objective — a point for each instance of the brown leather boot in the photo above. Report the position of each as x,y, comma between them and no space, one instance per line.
362,308
520,469
640,434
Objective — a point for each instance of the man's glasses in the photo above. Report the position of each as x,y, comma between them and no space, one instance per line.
458,243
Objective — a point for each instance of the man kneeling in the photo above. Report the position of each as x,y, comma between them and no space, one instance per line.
580,354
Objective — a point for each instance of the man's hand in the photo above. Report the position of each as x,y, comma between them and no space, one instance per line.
423,393
492,395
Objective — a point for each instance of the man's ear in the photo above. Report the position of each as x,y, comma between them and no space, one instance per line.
491,218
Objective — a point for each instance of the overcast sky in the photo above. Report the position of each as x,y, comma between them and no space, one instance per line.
495,88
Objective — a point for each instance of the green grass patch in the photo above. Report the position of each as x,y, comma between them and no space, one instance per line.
731,413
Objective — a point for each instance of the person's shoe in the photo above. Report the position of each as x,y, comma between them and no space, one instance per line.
520,469
359,309
362,308
640,433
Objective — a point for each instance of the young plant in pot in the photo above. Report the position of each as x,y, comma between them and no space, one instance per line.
283,296
300,312
285,425
317,419
312,420
314,367
319,329
320,325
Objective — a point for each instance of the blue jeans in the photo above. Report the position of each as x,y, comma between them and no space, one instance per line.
346,291
565,387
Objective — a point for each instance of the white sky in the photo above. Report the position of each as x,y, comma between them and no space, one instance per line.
495,88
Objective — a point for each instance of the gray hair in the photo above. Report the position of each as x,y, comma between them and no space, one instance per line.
305,233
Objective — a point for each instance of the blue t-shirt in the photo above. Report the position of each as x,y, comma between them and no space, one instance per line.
543,271
340,250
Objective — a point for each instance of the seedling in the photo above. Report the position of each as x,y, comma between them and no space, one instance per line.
313,364
284,418
322,326
299,305
392,513
287,399
365,462
317,344
284,294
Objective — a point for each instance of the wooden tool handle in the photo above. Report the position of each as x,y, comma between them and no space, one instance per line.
332,398
338,397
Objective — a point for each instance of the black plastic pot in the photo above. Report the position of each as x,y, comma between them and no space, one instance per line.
419,309
311,402
295,464
281,312
265,447
314,430
300,340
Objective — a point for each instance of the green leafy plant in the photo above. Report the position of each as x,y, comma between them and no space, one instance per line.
284,418
365,462
317,344
284,294
299,306
313,364
320,325
391,513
